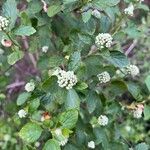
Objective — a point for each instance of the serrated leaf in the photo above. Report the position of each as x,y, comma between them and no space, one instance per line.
103,4
142,146
118,59
147,82
135,91
86,16
75,61
51,144
53,10
14,57
30,132
22,98
146,112
25,31
10,11
34,104
92,99
72,100
69,118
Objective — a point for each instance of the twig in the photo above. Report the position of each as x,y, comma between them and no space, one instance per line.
132,46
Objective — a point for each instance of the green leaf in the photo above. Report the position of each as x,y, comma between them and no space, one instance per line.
92,99
147,82
101,137
75,61
146,112
103,4
53,10
14,57
142,146
10,11
22,98
51,144
118,59
34,104
69,118
69,1
72,100
25,31
81,86
135,91
86,16
30,132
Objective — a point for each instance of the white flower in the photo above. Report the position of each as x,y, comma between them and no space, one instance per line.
42,119
103,40
45,49
3,23
128,128
58,132
63,142
22,113
133,70
29,87
137,113
129,10
104,77
103,120
96,13
91,144
37,144
66,79
7,137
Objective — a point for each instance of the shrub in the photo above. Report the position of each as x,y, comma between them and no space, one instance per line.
74,85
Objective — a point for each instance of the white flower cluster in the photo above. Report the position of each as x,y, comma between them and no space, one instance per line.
133,70
104,77
91,144
96,13
102,120
137,113
66,78
62,140
103,40
129,10
45,49
29,87
37,144
3,23
22,113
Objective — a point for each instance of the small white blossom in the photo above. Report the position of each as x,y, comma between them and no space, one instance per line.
133,70
104,77
63,142
137,113
22,113
128,128
29,87
103,40
103,120
58,132
37,144
45,49
66,79
91,144
3,23
129,10
42,119
96,13
7,137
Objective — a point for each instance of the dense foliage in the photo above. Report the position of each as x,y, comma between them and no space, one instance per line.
70,78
